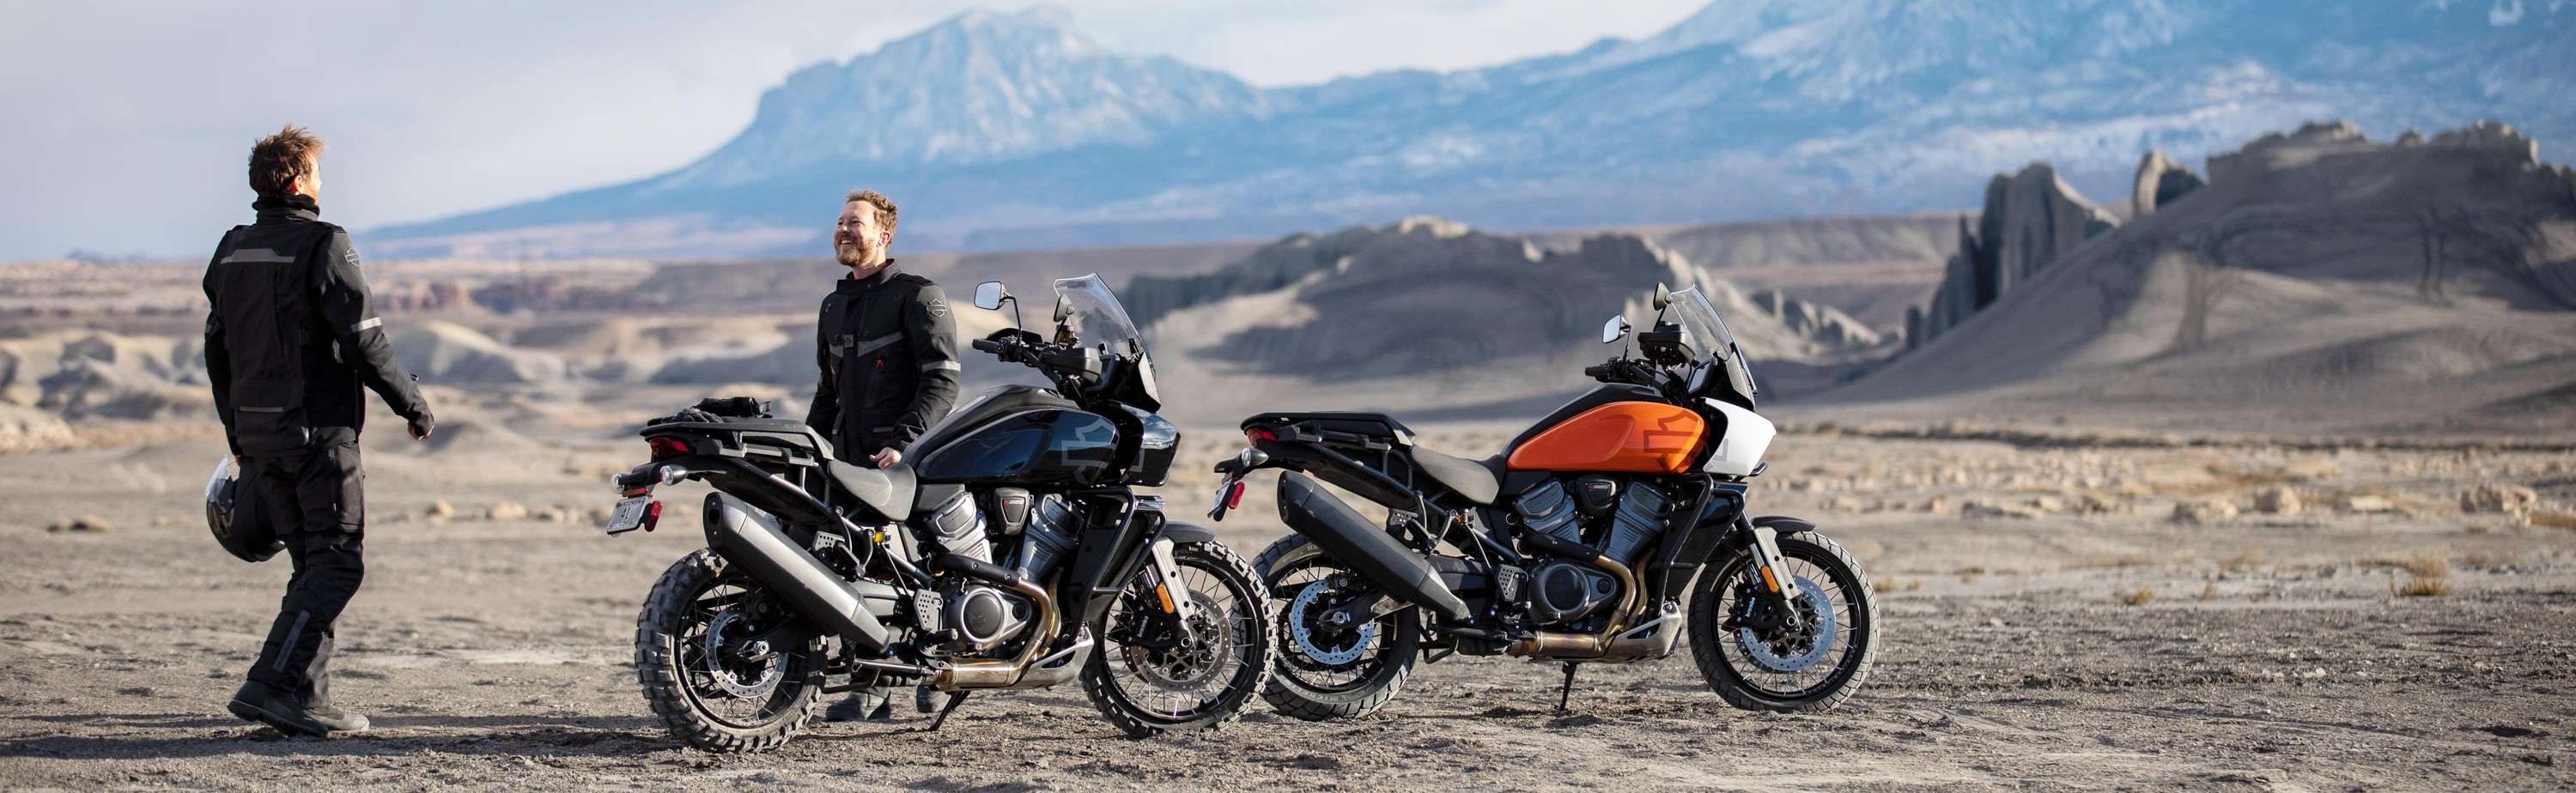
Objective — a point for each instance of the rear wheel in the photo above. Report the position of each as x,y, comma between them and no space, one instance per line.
1325,671
711,667
1757,662
1153,674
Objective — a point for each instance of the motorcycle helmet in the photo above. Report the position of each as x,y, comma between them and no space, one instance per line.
234,512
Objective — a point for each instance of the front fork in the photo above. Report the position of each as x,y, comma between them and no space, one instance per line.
1778,588
1169,588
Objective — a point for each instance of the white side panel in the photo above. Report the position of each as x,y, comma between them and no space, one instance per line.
1748,435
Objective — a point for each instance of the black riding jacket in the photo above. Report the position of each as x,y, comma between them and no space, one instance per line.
887,345
292,337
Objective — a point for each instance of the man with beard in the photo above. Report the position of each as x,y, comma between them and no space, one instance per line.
887,346
289,343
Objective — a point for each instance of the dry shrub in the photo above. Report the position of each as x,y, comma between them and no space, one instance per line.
2554,520
1914,585
2420,587
2133,597
2428,565
1883,585
2209,591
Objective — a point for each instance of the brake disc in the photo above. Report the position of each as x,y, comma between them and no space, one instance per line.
727,670
1785,650
1200,650
1305,637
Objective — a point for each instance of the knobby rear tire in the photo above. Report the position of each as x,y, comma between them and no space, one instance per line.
1291,695
658,666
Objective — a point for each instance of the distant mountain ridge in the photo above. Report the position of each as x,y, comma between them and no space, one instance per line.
1012,130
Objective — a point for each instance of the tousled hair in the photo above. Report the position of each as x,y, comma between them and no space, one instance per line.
276,160
884,206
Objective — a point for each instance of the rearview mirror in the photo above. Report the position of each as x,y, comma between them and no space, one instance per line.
1663,297
989,295
1613,329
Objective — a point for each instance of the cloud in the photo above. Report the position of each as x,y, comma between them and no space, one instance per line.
123,126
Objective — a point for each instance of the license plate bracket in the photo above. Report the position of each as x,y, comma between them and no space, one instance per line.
628,515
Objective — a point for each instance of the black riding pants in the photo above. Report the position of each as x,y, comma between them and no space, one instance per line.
317,504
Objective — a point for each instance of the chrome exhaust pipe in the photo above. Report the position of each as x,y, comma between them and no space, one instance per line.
1555,645
751,539
1007,673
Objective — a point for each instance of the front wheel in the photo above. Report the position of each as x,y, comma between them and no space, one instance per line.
1153,674
1327,671
713,667
1758,662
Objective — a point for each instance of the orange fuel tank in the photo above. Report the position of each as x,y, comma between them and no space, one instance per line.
1641,437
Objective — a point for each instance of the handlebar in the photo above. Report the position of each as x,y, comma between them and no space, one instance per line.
1638,371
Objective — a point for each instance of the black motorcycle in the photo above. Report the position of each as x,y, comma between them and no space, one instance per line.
1010,552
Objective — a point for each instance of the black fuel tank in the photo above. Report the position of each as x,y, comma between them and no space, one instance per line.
1029,446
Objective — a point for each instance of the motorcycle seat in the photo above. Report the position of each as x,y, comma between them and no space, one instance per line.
888,491
1368,425
1477,481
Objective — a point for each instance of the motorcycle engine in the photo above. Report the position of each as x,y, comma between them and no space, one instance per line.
985,617
1618,520
958,528
1561,591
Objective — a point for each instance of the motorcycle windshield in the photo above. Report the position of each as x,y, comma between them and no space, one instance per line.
1708,334
1097,319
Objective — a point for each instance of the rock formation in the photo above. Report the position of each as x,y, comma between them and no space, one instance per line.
2030,219
1550,296
2319,279
444,352
2160,181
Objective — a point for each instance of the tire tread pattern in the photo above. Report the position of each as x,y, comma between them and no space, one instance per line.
1292,699
657,667
1712,658
1227,563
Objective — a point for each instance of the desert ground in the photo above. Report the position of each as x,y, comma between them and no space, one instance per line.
2319,617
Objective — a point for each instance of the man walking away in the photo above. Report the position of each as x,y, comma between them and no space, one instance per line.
887,346
291,340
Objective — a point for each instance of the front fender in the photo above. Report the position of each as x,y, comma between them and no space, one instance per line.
1784,524
1187,532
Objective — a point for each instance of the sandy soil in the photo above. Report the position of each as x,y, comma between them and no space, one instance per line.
2269,651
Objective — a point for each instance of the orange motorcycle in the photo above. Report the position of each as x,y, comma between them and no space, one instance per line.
1584,540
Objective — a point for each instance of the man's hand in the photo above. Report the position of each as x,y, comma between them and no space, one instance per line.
421,425
887,458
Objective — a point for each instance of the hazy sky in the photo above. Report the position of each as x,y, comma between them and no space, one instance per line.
124,124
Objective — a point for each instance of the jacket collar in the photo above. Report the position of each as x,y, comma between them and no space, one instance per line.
292,207
874,280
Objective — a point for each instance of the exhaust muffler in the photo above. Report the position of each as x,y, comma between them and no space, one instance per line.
1351,539
753,540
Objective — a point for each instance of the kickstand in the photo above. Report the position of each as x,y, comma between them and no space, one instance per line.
955,698
1567,692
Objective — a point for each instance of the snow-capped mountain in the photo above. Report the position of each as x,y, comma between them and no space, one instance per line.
1015,131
